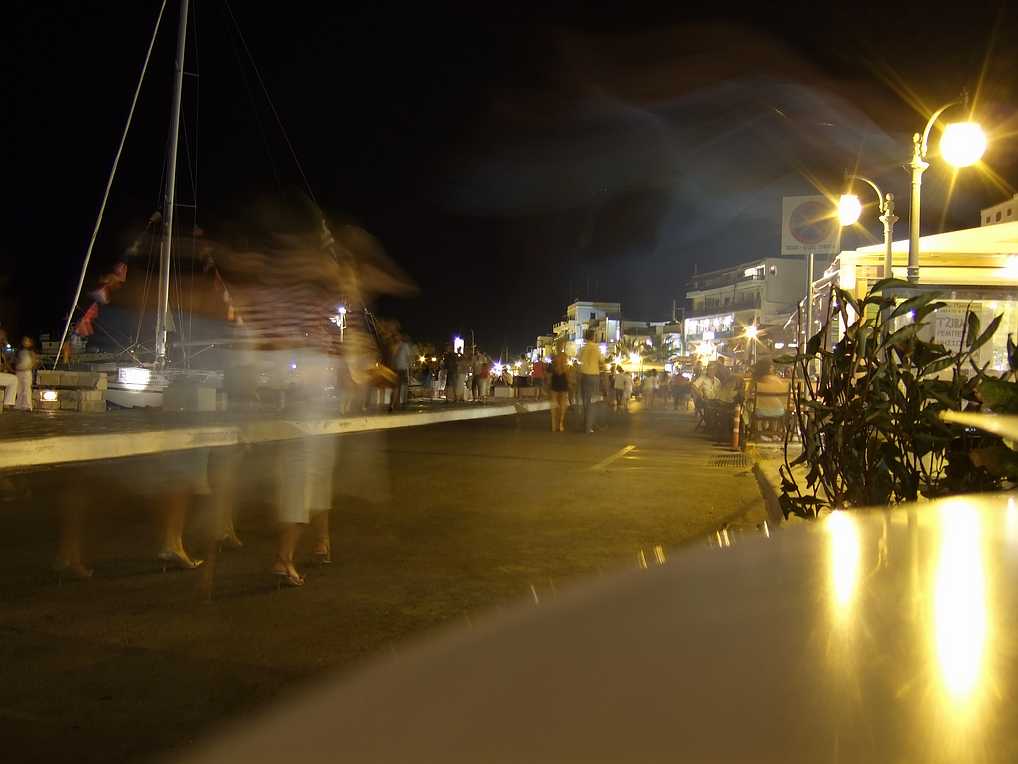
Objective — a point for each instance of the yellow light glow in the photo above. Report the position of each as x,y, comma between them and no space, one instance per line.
49,395
634,358
844,560
752,331
960,615
849,209
963,143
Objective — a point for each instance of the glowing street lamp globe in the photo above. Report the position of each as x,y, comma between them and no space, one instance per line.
849,209
752,331
963,143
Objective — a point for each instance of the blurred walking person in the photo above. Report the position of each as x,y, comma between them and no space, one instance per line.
559,391
24,367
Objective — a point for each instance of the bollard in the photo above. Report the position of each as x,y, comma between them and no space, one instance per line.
736,421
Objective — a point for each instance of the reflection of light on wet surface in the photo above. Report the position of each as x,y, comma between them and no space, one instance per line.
960,617
844,559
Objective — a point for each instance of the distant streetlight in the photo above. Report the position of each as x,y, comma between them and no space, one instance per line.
962,144
849,209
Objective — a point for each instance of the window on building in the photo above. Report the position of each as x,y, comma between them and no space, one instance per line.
998,216
987,219
593,316
1009,211
774,269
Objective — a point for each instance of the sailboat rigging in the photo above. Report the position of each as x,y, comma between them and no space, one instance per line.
142,383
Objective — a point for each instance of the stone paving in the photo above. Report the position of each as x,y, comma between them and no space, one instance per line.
432,526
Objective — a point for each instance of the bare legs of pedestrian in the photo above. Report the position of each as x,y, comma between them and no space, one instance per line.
289,535
321,552
173,518
224,471
68,560
559,404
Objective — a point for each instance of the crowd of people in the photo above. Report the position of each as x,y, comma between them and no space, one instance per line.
720,393
590,378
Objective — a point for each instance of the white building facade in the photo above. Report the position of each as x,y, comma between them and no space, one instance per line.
721,304
1005,212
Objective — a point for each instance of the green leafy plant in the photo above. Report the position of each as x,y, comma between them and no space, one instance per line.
867,408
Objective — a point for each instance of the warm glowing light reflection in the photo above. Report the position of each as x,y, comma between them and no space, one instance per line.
1011,521
844,559
49,395
960,617
849,209
963,143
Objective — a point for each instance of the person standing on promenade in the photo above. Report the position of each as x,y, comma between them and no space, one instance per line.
573,378
24,367
453,383
590,378
680,389
619,384
437,380
650,384
8,380
402,357
485,385
559,391
478,379
539,375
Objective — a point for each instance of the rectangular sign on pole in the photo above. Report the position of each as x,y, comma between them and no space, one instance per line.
808,224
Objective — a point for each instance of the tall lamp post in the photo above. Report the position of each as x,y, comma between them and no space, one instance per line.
962,144
849,209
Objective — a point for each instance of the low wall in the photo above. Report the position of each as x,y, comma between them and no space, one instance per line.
60,449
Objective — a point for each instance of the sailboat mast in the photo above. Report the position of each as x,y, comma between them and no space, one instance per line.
169,195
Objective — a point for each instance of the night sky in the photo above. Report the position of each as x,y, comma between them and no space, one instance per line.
508,160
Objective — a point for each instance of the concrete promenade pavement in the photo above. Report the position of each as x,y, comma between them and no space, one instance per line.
432,526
